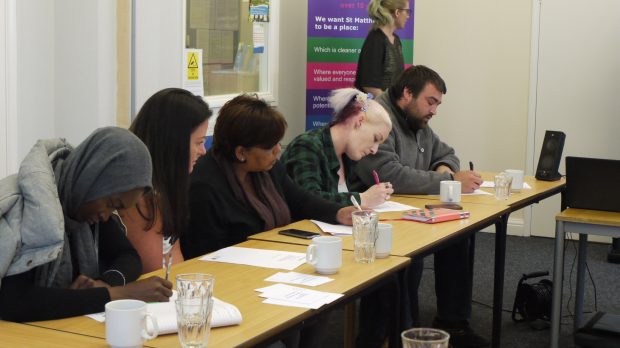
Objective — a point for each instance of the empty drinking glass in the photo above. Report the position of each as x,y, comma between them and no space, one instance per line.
425,338
503,181
194,322
364,235
194,285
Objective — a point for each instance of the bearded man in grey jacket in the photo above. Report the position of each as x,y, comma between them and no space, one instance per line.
415,160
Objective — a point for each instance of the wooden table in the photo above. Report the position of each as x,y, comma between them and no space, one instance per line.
413,239
517,200
410,238
236,284
583,222
23,335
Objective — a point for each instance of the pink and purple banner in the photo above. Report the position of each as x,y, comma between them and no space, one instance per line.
336,32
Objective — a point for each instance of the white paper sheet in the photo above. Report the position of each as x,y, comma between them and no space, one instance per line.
491,184
258,257
392,206
288,295
298,278
477,193
335,230
224,314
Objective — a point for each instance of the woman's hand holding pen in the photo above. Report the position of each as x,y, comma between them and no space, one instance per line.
153,289
376,194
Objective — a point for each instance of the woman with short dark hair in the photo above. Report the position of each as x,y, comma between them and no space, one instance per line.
239,188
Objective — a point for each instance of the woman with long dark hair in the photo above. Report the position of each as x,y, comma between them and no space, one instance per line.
173,125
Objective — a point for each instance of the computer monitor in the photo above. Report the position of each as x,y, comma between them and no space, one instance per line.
592,183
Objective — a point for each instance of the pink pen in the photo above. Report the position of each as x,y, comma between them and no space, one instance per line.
376,176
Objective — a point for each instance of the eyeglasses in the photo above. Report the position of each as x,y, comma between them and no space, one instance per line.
408,10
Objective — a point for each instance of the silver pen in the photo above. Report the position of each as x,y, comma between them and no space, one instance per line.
168,263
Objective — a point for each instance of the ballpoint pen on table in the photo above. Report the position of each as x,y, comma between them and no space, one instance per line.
376,176
354,201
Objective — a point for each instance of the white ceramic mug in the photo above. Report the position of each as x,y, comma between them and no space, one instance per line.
383,245
325,254
450,191
517,179
125,323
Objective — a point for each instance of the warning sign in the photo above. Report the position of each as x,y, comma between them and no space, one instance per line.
193,71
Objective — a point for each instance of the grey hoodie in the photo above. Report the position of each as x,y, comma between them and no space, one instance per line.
31,217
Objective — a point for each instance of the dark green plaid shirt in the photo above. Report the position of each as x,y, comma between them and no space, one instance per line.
311,162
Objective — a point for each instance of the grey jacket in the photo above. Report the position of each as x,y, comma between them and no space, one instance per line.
407,158
31,217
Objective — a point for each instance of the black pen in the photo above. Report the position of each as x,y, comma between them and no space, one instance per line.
471,166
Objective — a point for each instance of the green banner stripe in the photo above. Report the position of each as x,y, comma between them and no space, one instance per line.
338,50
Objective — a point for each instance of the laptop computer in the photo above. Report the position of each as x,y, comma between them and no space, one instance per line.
592,183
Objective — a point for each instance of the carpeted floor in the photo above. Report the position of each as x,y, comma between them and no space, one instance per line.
523,255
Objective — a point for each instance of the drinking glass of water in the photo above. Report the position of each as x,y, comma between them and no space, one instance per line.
364,235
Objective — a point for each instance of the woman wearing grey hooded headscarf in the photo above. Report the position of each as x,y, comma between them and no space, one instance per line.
67,253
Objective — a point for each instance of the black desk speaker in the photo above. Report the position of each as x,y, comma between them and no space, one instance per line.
550,156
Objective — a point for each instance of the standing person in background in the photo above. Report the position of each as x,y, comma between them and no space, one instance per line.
63,252
173,124
321,159
381,59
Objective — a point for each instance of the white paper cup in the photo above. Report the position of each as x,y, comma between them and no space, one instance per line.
517,179
383,246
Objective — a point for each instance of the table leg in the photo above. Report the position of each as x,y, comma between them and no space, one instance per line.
558,269
501,227
581,268
350,314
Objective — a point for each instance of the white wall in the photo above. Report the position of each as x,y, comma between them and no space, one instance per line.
159,46
85,67
3,91
35,69
66,70
578,83
292,84
481,48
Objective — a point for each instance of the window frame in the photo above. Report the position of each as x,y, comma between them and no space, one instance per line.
272,45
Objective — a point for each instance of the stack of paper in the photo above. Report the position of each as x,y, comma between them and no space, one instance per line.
258,257
292,296
224,314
